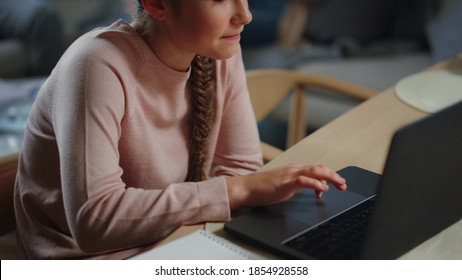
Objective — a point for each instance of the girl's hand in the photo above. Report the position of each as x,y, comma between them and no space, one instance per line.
278,185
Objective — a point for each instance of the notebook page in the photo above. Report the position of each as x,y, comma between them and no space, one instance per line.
200,245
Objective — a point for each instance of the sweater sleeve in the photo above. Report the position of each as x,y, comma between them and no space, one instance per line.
103,213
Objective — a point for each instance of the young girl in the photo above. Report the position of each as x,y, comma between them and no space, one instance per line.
123,134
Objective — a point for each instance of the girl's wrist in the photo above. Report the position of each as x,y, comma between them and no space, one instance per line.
237,192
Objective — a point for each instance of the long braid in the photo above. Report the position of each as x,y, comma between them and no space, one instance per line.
202,82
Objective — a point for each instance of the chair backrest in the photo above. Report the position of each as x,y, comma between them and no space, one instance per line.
8,168
268,87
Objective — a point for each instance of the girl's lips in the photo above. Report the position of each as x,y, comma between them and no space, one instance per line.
233,37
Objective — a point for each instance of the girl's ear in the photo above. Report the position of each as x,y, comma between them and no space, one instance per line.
156,8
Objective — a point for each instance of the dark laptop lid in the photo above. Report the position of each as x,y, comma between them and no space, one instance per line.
421,188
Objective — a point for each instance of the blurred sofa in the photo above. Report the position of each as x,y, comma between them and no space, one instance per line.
75,16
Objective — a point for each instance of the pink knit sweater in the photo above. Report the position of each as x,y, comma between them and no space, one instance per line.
105,152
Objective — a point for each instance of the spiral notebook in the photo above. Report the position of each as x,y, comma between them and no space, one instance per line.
200,245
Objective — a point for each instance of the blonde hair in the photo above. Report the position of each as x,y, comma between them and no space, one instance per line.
143,22
202,83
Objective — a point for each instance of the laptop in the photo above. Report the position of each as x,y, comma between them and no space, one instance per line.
379,216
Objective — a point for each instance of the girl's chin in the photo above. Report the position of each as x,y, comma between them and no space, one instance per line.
224,53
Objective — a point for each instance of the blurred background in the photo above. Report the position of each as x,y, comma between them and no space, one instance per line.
373,43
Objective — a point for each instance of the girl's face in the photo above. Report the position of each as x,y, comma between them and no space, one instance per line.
210,28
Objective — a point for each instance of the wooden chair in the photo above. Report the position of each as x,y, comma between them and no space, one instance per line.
268,87
8,168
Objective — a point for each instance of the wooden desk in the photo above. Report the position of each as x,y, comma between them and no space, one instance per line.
361,137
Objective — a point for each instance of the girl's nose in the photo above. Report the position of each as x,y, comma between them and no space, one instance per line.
243,15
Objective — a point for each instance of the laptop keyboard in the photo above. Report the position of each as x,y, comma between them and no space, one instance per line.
339,238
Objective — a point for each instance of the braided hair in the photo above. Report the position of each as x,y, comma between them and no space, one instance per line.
202,83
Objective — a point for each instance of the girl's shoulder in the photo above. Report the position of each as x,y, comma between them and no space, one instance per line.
117,43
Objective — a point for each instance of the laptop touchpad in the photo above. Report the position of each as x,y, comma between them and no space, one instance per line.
307,208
